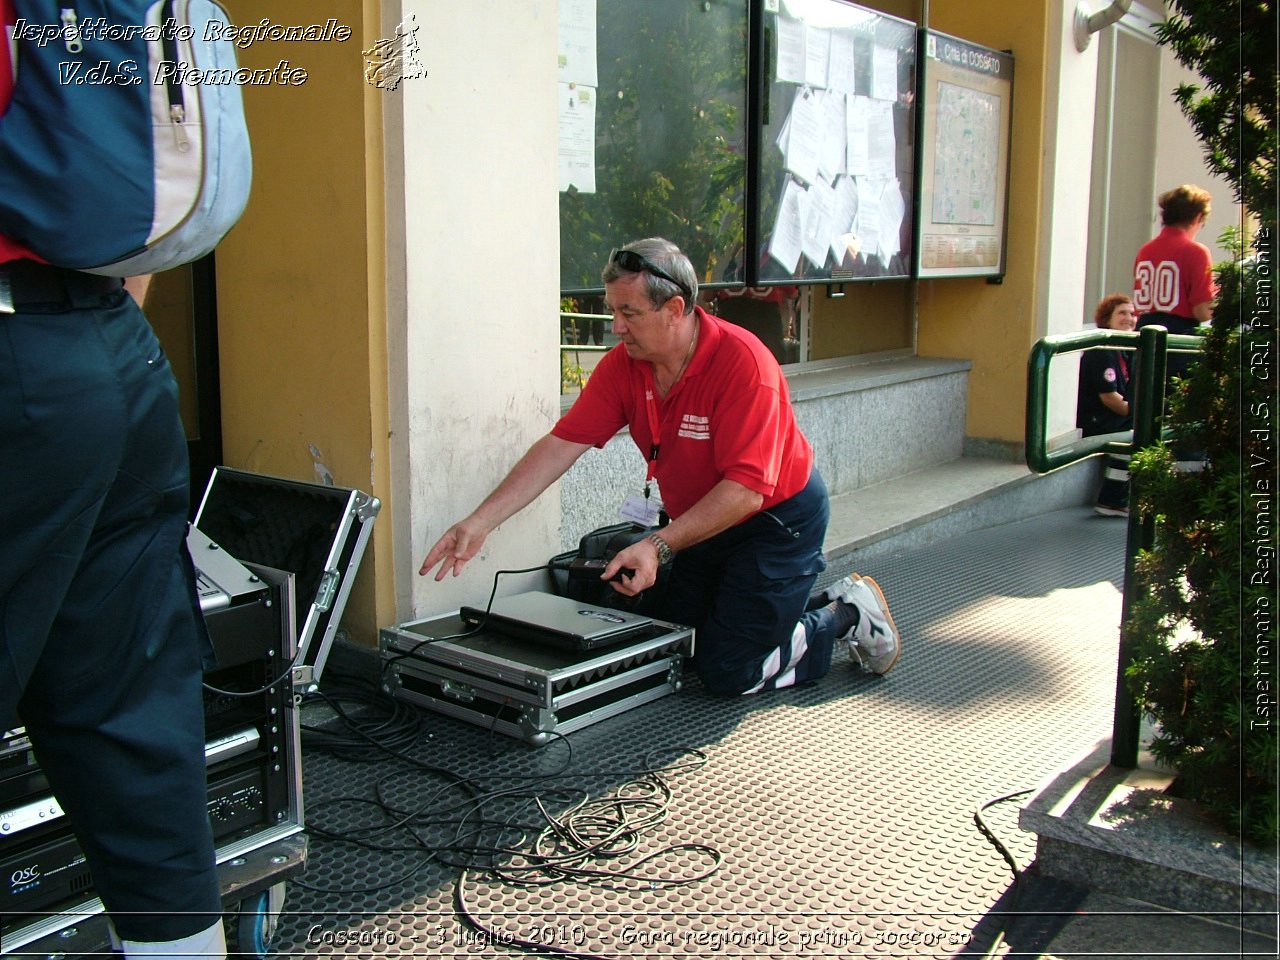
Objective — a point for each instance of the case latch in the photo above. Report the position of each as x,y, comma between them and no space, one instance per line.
304,678
328,590
459,691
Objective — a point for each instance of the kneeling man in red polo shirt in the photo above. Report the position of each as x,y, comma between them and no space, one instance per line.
708,407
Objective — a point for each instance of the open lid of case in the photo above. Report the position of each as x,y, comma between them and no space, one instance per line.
314,531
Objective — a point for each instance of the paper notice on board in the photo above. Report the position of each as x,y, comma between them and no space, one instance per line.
840,75
804,141
884,72
892,213
791,52
786,241
857,138
846,214
817,49
870,221
577,129
577,42
817,215
831,157
882,143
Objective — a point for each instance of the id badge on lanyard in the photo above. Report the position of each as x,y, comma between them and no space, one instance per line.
646,509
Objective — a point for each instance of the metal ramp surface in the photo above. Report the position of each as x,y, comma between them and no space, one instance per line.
834,820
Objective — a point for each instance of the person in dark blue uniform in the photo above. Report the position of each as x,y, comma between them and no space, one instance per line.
99,622
1103,401
101,635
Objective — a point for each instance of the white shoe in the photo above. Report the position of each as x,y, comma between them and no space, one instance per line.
874,641
1105,511
838,589
208,944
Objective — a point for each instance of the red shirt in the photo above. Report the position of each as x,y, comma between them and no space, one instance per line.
728,418
1172,274
9,249
776,294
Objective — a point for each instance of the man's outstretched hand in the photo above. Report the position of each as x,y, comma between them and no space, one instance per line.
452,551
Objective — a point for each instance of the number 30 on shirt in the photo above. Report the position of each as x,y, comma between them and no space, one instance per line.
1156,286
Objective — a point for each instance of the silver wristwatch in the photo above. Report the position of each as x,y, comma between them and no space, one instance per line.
665,553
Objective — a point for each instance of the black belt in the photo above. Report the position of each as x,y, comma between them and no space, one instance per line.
25,284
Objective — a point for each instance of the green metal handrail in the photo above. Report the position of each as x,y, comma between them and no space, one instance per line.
1039,457
576,349
1153,345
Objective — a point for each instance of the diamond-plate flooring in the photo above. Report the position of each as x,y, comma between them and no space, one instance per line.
832,820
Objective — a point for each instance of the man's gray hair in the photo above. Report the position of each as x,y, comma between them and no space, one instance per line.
667,257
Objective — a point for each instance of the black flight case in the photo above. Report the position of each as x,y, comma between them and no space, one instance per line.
275,560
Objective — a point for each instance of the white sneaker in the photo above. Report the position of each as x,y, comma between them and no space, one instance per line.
874,642
838,589
1103,510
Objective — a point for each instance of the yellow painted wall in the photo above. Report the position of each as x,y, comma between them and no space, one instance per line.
871,317
995,325
301,315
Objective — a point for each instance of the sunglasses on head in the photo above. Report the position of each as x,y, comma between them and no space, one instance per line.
632,262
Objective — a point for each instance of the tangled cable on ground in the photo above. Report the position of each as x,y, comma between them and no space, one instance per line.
532,831
587,844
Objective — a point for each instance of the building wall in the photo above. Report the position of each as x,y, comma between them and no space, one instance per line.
477,381
300,280
995,325
1070,99
1140,152
865,317
1179,158
393,282
388,305
1124,185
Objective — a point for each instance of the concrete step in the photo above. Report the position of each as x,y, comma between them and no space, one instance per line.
945,500
1046,918
1121,832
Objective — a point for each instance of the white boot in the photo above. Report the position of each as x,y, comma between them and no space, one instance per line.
208,943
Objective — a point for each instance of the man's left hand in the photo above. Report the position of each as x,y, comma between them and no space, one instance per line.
642,558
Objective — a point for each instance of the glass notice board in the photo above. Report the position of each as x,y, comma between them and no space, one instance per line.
775,141
837,141
966,99
653,127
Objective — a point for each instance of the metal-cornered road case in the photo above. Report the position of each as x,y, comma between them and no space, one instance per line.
521,688
276,559
315,531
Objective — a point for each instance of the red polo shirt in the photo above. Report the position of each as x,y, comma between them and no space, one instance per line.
1172,274
9,249
729,417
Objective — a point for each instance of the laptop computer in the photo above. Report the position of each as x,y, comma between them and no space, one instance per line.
558,621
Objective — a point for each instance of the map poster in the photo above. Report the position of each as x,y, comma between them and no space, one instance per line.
967,94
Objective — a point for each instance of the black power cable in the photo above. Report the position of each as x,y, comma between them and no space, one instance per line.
581,846
502,835
1008,858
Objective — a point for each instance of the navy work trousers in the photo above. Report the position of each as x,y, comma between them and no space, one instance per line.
745,591
102,641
